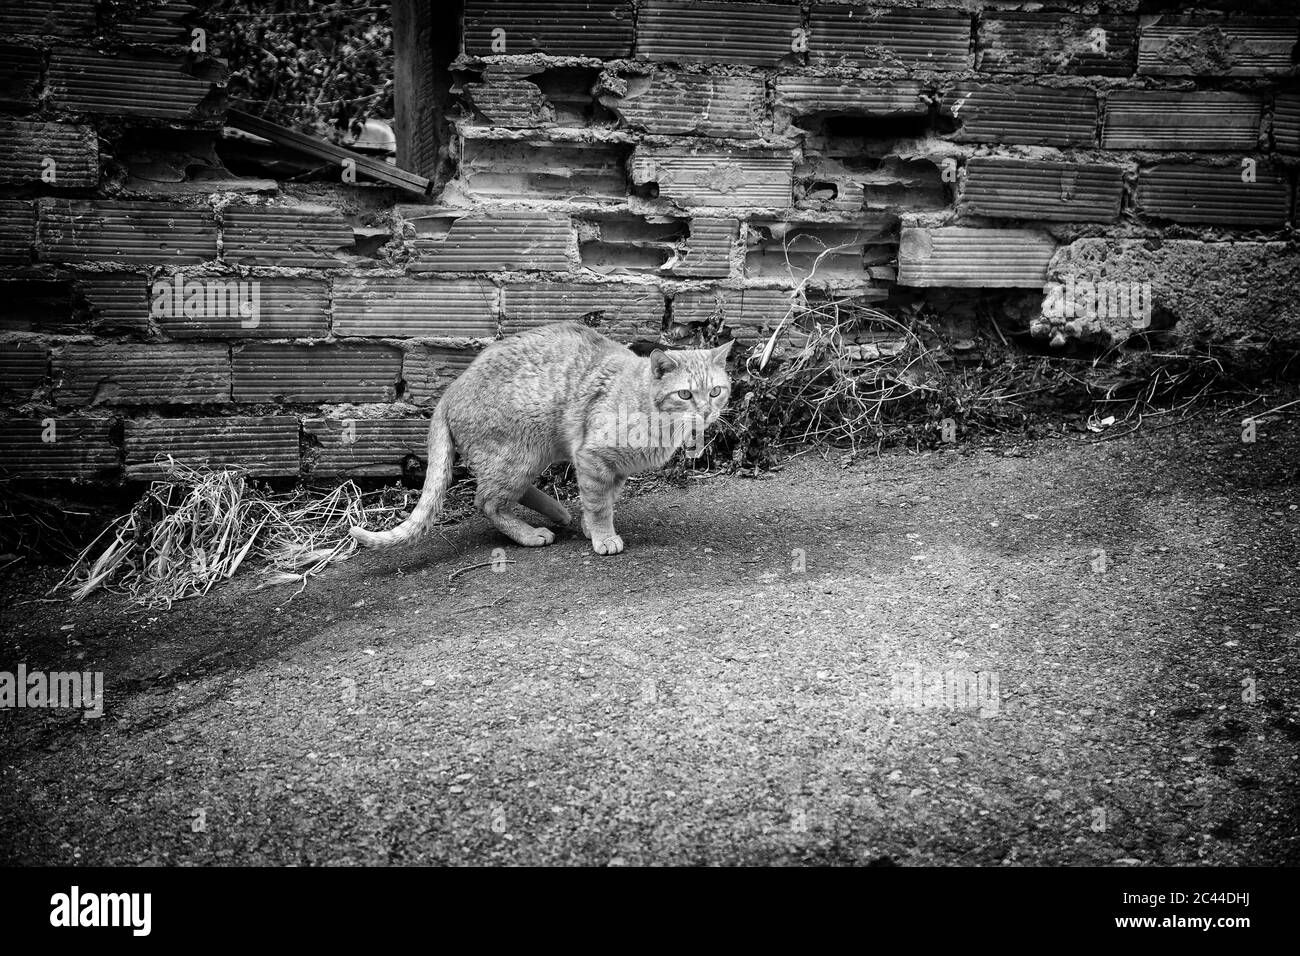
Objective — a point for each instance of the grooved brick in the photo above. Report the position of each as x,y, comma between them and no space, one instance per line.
958,257
17,231
747,313
529,171
59,448
33,152
265,372
236,307
428,370
717,178
810,95
685,31
295,236
130,232
707,249
495,241
47,17
265,446
1214,194
134,374
87,81
619,310
1217,46
694,104
400,308
1056,42
117,301
365,446
1163,120
1023,114
1026,189
594,28
901,37
1286,122
20,74
24,367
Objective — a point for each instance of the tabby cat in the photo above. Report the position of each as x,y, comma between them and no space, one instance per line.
563,392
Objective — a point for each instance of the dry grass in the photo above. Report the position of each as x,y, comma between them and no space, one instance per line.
200,526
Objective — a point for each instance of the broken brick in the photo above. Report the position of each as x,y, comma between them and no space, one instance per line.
264,446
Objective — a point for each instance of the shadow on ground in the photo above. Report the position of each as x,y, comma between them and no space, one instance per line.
1118,626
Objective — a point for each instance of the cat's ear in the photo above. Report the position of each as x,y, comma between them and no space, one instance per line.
719,355
661,363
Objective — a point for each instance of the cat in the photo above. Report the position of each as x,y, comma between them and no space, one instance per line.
563,392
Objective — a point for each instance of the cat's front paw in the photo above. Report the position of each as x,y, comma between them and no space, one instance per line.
606,544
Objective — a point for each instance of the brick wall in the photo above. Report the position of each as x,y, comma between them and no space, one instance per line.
661,169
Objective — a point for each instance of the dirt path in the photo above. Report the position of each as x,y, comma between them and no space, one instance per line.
699,699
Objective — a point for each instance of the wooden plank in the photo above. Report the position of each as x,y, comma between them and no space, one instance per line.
319,148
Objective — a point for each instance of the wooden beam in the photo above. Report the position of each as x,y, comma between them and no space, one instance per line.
426,39
315,146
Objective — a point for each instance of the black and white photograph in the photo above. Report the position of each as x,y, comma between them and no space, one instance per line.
852,434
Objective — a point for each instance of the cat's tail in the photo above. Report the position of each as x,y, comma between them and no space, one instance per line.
437,476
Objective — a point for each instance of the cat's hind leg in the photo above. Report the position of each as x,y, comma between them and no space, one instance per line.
537,500
499,490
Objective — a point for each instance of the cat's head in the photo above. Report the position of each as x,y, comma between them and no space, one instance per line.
691,382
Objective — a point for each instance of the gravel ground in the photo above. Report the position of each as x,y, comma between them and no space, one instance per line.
698,699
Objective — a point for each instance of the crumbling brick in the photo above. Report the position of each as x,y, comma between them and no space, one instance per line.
126,232
1200,293
684,31
624,243
795,251
1056,42
594,28
902,37
694,104
59,447
539,170
832,95
494,241
1222,195
264,446
706,251
56,154
1217,46
716,178
1164,120
132,374
1023,114
295,236
747,314
1027,189
266,372
365,447
399,307
960,257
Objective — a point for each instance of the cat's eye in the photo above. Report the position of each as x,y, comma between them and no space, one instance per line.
715,391
685,394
